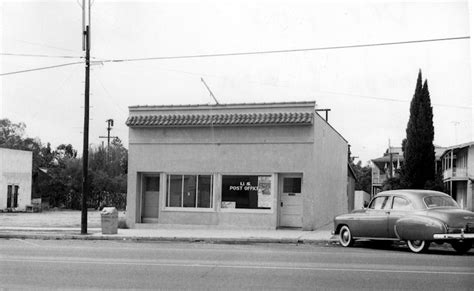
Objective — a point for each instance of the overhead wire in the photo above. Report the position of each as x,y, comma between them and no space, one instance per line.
241,53
40,56
283,51
41,68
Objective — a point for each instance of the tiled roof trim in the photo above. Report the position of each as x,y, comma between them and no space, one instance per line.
177,120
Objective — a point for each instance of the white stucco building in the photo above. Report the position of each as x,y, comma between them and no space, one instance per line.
15,179
264,166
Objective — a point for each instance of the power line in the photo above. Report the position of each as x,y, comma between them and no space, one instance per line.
392,99
40,56
284,51
41,44
233,53
41,68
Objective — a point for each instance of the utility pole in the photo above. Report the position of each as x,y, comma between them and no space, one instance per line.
86,37
110,124
391,160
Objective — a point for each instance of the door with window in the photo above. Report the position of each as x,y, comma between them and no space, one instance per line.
291,201
400,208
375,221
150,198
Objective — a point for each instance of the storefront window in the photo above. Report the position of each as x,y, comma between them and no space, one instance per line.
246,192
192,191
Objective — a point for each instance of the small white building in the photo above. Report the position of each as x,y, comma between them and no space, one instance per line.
15,179
361,199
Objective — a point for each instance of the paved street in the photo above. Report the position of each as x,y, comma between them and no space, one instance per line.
45,264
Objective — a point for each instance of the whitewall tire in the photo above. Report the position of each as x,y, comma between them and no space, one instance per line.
345,237
418,246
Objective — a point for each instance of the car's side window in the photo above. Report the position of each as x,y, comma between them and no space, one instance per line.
379,202
400,203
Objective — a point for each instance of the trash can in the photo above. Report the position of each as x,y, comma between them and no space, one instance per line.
109,220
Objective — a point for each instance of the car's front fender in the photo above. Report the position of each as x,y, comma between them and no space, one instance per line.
418,228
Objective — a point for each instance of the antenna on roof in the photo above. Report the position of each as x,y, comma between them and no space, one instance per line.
210,92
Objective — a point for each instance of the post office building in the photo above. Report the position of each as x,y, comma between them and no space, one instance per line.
259,166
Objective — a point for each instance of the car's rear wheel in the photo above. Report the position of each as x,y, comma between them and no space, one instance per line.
418,246
461,247
345,237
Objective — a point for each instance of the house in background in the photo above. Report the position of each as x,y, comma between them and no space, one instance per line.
387,166
259,165
15,179
458,173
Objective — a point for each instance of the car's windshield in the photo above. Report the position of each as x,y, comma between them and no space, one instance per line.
439,201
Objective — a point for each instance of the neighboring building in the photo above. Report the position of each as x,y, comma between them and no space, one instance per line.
361,199
351,183
388,165
263,165
458,173
15,179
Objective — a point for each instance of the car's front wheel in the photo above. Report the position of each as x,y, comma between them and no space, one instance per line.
345,237
461,247
418,246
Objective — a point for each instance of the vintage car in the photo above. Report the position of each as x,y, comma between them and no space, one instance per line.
418,217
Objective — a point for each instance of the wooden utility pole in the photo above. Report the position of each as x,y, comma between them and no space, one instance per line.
110,124
390,168
85,149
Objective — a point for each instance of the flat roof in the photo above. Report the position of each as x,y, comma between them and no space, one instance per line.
226,105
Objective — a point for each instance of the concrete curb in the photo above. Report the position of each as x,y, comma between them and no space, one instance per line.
222,240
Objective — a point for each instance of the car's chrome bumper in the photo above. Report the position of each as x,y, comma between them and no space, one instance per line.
453,236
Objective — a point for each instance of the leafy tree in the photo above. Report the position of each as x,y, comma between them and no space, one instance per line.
391,184
418,149
109,175
363,175
12,137
108,169
11,134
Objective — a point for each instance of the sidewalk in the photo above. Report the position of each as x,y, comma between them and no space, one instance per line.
57,226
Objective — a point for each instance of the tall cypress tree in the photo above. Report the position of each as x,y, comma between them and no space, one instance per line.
418,149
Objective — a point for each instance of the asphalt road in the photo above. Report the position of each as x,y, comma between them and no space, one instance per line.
47,264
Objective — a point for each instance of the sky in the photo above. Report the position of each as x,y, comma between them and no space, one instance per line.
368,89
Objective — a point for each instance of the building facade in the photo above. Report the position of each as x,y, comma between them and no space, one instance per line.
261,166
388,166
458,173
15,179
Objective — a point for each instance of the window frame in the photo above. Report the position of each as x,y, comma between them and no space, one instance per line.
212,195
384,202
409,204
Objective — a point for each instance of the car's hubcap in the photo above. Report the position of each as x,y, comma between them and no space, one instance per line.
417,243
345,236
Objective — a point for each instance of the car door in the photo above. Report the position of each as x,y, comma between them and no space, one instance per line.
400,207
374,223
